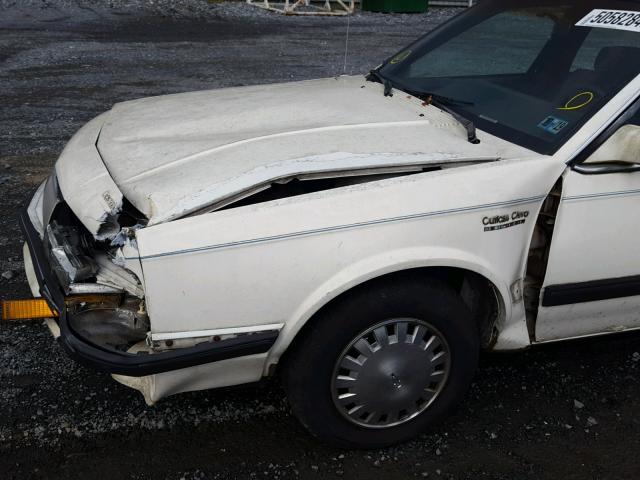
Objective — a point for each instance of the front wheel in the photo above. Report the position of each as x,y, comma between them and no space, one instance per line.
383,364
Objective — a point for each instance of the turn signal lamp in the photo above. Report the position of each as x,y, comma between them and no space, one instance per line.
26,309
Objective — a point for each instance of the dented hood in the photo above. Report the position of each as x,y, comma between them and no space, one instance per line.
173,155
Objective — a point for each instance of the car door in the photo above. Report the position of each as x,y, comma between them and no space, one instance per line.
592,284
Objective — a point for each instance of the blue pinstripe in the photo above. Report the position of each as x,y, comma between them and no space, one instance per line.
346,227
589,196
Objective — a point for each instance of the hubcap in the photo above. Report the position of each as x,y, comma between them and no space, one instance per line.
390,373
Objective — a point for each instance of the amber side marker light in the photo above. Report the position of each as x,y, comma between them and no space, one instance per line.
31,309
37,308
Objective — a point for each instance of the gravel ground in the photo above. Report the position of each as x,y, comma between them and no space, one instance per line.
566,411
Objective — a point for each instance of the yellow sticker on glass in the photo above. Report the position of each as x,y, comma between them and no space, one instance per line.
401,57
579,101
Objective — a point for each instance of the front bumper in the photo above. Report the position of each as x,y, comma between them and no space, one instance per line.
122,363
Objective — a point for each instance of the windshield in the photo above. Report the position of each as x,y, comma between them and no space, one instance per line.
529,72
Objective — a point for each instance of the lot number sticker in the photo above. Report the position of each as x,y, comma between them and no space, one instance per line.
614,19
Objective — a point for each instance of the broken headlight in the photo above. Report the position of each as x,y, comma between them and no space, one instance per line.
68,250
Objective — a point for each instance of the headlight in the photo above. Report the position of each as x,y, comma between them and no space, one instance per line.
68,253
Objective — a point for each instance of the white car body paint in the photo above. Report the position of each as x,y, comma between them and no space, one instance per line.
93,195
277,263
409,221
225,373
175,154
596,238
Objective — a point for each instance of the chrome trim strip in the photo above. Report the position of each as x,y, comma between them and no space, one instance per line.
217,331
88,288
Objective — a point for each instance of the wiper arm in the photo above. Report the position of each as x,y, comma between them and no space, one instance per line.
446,100
443,104
431,99
374,76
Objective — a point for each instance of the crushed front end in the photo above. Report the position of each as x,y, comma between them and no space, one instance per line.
95,285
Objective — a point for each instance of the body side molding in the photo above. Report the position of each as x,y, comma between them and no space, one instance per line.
593,291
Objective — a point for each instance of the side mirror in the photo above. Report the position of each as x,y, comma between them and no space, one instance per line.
619,154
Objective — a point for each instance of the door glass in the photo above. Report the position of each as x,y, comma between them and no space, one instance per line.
596,43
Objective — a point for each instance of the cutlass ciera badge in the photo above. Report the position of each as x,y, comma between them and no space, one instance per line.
500,222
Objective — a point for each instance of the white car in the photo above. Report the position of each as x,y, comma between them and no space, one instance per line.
358,235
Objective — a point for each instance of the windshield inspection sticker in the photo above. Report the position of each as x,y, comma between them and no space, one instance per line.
553,125
614,19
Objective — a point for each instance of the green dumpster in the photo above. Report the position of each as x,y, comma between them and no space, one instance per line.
395,6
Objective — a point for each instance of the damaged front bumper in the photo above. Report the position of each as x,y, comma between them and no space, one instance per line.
105,359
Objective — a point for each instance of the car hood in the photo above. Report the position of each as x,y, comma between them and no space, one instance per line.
176,154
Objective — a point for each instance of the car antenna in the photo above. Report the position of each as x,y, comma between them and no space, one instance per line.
346,45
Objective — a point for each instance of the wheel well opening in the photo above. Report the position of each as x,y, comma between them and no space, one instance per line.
478,293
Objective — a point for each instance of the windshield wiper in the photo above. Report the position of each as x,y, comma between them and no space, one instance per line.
374,76
443,103
434,99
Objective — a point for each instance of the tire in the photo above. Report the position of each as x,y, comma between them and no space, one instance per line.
319,388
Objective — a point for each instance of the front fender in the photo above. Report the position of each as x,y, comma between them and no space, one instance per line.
383,264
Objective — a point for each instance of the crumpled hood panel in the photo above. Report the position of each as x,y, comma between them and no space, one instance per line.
175,154
85,183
